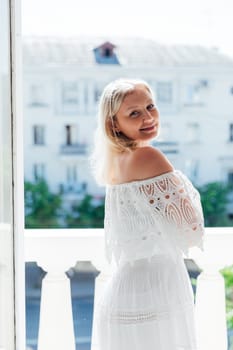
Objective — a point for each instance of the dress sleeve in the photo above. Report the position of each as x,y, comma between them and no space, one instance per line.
175,202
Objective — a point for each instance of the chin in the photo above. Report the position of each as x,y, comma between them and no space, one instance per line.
152,136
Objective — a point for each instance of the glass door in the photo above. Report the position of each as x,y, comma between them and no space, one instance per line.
6,198
11,188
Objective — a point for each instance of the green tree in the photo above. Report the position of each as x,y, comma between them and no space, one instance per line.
41,205
214,198
86,213
227,273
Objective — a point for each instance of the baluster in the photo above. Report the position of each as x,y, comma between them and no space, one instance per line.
210,308
56,329
211,311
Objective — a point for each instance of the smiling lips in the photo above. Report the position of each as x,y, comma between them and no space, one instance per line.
148,128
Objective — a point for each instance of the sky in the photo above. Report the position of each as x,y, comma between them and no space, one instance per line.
202,22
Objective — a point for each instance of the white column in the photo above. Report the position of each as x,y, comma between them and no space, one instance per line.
56,250
211,311
210,292
56,329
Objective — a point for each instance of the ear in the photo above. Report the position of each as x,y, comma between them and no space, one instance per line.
117,129
116,125
113,125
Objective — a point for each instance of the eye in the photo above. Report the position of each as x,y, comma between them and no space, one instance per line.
134,114
151,107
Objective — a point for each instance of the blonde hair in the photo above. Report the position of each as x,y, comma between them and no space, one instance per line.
107,141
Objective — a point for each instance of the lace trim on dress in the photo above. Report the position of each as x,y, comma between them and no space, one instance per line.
168,196
174,209
177,201
137,317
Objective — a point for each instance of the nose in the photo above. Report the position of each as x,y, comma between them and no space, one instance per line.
147,115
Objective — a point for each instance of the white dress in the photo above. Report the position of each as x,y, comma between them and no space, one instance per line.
148,303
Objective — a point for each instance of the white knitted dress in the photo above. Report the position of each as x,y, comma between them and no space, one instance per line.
148,303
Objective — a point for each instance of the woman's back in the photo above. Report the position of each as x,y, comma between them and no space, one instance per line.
141,163
147,224
152,213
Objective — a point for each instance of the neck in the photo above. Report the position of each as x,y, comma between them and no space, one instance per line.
143,144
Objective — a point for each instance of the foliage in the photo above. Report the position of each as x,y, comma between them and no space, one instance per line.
43,209
41,206
227,273
214,198
87,213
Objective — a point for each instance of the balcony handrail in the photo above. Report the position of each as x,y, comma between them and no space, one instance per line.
57,250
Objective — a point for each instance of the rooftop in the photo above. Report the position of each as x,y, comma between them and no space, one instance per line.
133,52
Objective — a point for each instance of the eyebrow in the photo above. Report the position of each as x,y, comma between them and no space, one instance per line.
133,107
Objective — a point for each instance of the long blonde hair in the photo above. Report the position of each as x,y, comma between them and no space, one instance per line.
107,141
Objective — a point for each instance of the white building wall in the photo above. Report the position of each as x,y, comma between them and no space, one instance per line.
211,108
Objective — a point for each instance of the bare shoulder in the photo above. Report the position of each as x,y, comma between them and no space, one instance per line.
148,162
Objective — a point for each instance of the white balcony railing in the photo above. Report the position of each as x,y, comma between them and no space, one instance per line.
57,250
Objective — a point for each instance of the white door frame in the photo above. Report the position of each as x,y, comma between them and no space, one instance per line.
18,172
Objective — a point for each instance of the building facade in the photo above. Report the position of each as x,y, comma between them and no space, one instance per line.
63,79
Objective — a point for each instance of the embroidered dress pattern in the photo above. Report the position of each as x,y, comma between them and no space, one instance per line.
150,225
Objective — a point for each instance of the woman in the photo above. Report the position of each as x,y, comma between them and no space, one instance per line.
152,216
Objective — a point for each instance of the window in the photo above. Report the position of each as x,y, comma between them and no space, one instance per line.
97,93
164,92
107,52
38,135
104,54
71,174
98,88
70,93
191,169
39,171
68,135
70,96
71,137
165,132
231,133
192,132
230,177
37,97
192,94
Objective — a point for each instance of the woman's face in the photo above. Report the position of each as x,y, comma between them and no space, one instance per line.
138,117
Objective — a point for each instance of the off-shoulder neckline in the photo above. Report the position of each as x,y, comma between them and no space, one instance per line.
143,181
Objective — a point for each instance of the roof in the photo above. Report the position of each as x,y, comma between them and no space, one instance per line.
131,52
